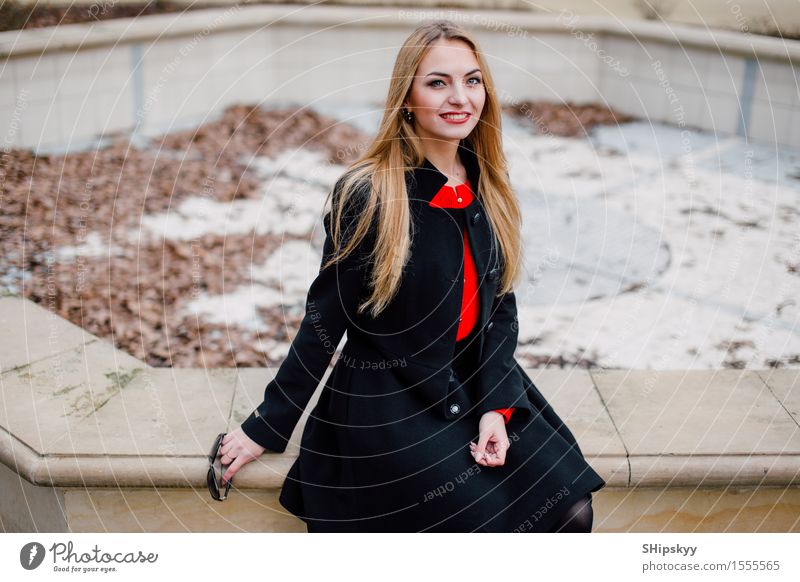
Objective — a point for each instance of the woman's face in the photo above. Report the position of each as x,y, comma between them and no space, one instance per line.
447,81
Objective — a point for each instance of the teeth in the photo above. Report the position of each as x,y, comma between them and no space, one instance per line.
454,115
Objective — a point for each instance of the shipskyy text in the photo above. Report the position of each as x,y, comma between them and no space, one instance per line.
664,550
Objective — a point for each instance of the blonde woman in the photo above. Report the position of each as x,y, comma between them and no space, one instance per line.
426,421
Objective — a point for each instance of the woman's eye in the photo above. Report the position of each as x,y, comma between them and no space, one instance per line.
433,83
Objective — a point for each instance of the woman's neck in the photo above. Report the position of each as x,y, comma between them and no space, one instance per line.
444,156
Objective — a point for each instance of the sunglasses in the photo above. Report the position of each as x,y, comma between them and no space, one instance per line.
215,472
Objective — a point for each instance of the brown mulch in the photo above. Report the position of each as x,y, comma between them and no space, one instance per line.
134,296
565,120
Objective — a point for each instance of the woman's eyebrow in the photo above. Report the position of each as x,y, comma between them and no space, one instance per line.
448,76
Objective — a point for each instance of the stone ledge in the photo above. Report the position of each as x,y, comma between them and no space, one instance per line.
154,27
83,424
84,414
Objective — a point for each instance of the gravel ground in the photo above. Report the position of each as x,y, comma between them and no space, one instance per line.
67,222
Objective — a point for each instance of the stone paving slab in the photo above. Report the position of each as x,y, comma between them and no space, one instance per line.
41,402
162,412
785,385
694,413
712,428
573,396
36,333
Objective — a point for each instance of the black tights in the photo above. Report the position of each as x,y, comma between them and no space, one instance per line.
578,518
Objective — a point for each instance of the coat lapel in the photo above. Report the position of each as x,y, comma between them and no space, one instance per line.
423,182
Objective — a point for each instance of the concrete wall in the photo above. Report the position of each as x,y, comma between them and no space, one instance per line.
642,509
61,88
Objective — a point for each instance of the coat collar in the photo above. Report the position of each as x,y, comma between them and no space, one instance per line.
424,181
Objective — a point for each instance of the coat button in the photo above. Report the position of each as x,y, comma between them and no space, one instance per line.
455,409
494,274
476,217
489,325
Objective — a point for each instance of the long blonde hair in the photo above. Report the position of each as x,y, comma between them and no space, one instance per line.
395,149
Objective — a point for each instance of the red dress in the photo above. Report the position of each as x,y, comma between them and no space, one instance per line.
460,196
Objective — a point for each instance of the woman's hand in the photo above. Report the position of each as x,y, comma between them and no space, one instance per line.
492,441
237,450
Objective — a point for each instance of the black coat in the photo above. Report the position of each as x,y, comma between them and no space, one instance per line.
387,446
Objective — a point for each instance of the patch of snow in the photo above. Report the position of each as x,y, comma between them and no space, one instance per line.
287,206
292,267
281,281
238,308
299,164
93,246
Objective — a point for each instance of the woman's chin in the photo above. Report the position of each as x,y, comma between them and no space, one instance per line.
451,133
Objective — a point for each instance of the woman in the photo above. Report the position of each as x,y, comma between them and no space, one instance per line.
422,249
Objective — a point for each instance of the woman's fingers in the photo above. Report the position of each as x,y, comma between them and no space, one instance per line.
492,442
493,453
501,448
473,449
500,454
481,457
225,451
237,450
234,468
492,459
237,444
230,451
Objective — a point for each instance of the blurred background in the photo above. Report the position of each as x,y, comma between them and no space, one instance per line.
164,167
774,17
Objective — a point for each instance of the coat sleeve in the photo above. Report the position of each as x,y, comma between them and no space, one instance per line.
499,385
331,301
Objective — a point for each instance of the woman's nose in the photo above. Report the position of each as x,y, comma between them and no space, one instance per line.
457,95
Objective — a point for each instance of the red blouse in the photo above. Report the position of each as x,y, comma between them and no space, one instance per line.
461,196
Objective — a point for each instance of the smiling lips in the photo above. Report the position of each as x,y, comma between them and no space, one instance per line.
455,117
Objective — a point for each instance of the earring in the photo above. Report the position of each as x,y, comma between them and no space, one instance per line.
408,115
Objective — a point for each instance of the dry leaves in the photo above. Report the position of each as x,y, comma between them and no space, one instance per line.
565,119
132,293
